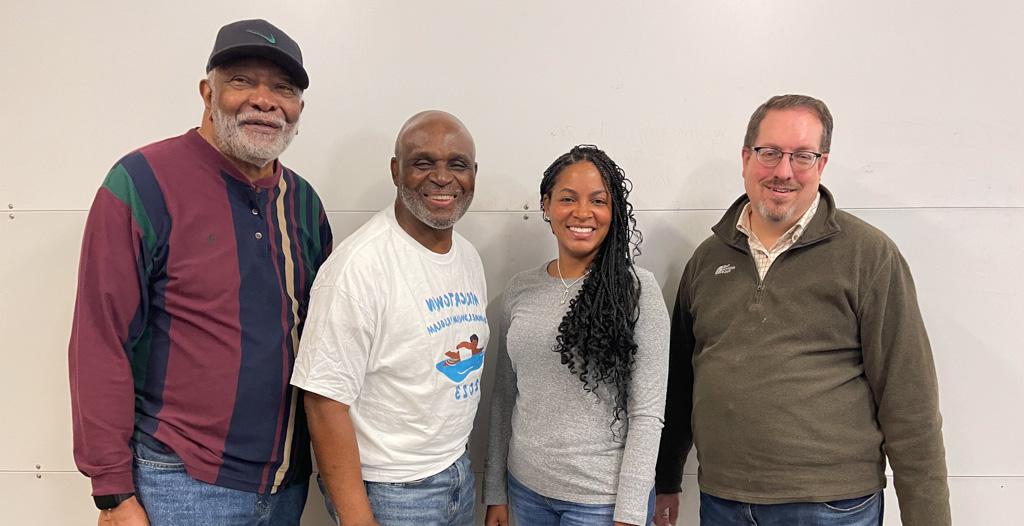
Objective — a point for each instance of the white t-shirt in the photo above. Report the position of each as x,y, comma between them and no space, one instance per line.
397,333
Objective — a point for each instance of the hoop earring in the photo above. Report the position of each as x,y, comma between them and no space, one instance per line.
546,218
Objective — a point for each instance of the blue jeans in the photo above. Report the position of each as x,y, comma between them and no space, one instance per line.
530,508
860,511
444,499
172,498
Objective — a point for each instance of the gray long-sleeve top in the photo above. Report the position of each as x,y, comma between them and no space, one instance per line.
553,436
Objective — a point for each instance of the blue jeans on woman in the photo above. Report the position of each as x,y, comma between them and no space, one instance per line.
860,511
172,498
444,499
530,508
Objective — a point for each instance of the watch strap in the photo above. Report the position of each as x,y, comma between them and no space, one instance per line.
109,502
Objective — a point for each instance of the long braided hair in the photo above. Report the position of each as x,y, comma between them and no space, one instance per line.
595,338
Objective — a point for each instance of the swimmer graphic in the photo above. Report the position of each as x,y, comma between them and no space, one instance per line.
466,358
464,350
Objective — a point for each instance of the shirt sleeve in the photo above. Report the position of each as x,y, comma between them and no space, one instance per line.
503,400
109,318
326,237
646,405
900,368
336,342
677,436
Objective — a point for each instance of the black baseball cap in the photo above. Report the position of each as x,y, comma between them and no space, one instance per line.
258,38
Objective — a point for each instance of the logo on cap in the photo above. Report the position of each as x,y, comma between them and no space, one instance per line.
270,39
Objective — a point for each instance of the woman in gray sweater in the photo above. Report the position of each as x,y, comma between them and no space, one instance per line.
579,392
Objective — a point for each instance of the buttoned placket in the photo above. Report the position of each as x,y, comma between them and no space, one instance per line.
257,195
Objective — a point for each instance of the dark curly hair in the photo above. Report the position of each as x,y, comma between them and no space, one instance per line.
595,338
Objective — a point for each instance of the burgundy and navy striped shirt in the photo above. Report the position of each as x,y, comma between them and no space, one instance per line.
192,288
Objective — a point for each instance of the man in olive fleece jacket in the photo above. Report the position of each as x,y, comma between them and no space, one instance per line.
799,359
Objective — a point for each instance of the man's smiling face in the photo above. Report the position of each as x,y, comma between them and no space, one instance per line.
255,107
435,172
780,195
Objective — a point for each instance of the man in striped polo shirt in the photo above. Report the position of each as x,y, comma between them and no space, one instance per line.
197,260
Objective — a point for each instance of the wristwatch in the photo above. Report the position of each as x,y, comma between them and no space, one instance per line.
109,502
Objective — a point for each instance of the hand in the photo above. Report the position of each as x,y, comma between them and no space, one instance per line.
497,515
666,509
127,513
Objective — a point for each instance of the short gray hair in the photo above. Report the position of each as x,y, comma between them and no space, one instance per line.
785,102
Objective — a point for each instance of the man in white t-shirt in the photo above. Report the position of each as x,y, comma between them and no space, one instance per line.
392,349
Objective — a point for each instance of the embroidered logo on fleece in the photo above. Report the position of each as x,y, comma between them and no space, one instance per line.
725,269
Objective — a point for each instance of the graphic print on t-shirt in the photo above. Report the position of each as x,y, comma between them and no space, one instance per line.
466,358
454,300
468,355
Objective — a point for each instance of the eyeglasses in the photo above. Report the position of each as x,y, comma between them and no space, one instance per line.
771,157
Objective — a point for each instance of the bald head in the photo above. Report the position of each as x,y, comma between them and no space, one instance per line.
432,121
434,171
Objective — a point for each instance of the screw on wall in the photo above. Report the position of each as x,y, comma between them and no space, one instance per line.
11,216
10,206
526,217
526,206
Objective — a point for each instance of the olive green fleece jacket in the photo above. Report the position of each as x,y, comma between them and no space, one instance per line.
801,384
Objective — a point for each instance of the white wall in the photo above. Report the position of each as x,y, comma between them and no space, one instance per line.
926,97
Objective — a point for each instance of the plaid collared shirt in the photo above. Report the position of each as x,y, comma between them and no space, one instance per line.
764,257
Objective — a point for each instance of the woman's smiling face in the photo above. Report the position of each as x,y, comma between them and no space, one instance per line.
580,211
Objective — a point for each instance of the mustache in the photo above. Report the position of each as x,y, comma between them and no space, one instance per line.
779,183
430,187
255,117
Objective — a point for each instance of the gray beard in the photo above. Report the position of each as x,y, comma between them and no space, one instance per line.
414,203
234,142
775,217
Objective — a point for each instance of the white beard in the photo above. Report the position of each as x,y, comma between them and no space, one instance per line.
256,149
413,202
